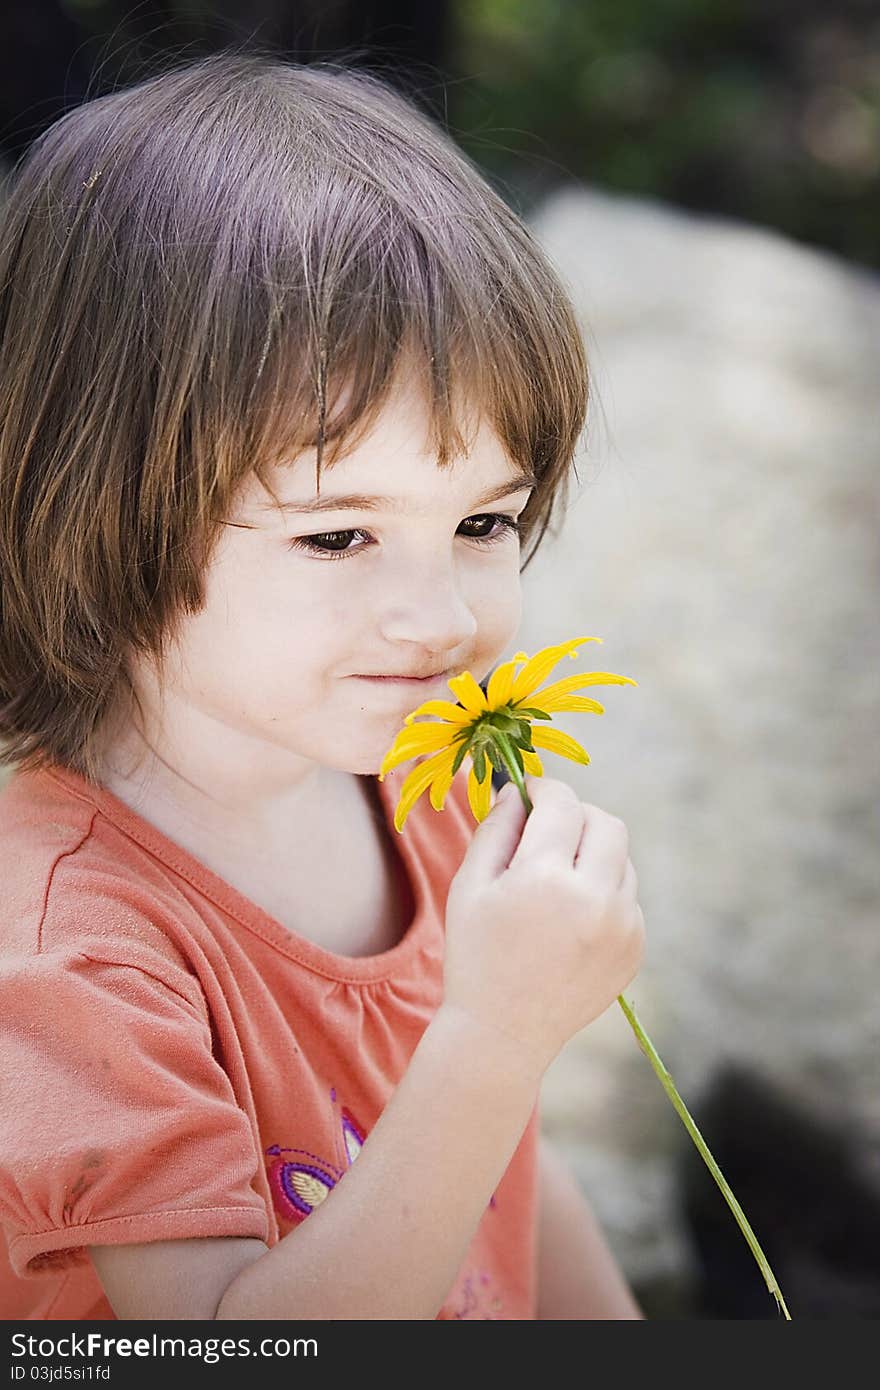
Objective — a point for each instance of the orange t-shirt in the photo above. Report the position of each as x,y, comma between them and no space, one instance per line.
175,1063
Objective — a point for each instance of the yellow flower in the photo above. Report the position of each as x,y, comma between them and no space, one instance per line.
494,727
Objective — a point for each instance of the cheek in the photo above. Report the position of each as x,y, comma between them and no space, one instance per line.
498,609
291,619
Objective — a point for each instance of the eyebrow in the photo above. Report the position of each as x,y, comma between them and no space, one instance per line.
358,502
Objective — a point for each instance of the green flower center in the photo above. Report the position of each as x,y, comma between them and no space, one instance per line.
499,733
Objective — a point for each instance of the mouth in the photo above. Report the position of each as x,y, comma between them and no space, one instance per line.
407,681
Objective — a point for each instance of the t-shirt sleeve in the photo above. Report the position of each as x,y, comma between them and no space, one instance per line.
119,1125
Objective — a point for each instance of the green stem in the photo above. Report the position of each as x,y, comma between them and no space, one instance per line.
504,748
666,1080
669,1087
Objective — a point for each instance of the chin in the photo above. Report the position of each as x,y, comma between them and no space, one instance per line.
360,764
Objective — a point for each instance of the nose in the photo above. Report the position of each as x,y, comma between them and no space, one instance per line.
426,607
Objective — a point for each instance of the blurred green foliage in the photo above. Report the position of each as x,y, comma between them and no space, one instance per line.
765,112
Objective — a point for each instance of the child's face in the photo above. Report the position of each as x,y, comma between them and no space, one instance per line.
269,675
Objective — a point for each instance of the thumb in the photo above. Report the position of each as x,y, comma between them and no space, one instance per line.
495,839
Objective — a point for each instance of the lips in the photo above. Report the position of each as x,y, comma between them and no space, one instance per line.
406,680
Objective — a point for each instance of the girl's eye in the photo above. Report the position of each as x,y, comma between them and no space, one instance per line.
334,545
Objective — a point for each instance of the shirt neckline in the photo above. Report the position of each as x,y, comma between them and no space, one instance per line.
354,969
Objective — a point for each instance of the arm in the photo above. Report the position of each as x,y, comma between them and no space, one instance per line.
391,1239
578,1277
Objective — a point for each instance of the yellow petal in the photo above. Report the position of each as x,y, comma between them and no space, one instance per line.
443,781
479,793
444,709
558,742
531,762
570,683
424,736
413,741
563,702
501,681
468,693
542,664
416,783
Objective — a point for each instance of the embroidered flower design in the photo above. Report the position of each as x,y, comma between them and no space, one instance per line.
301,1183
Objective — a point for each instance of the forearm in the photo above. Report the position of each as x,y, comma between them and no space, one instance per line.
389,1240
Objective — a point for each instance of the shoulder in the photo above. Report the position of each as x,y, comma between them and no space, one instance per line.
39,829
77,889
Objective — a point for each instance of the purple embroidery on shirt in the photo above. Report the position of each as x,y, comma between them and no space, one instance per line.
299,1186
470,1305
352,1137
470,1301
275,1149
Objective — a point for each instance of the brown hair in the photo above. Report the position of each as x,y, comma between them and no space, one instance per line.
200,275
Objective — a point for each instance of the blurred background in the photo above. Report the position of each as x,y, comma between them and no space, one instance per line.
705,175
765,113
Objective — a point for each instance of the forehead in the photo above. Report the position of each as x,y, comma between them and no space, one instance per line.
395,463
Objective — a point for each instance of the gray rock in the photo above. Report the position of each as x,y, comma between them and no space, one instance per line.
724,542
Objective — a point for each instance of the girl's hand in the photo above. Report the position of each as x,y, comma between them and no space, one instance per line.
543,924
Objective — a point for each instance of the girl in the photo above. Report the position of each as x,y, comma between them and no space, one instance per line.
262,1057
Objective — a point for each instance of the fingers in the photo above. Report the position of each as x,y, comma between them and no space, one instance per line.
629,883
603,851
495,838
560,829
553,830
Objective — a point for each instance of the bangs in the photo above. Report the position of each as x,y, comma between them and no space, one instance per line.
345,255
403,299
